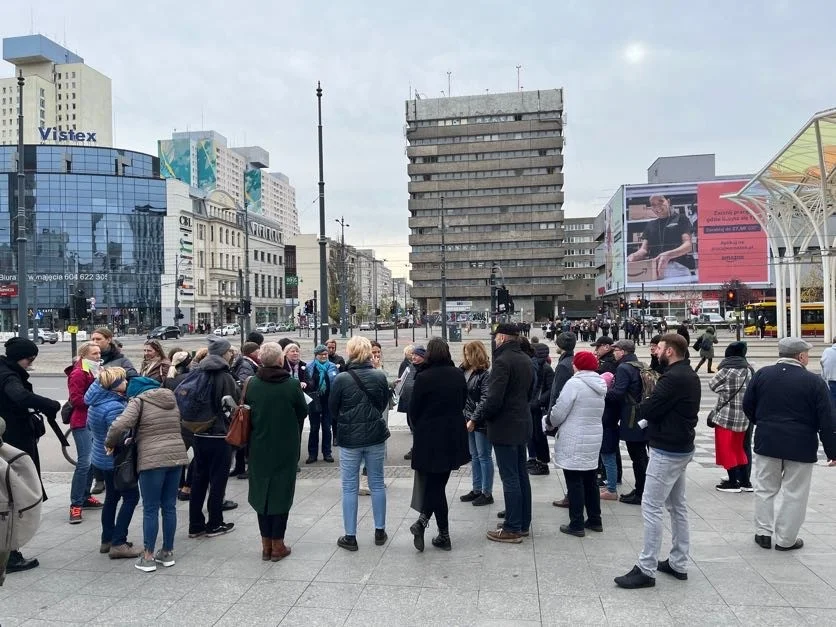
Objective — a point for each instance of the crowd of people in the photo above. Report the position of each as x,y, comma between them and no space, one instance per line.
472,409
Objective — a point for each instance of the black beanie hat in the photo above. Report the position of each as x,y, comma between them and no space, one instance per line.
566,341
18,348
736,349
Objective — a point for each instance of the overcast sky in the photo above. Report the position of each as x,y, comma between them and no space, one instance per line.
642,79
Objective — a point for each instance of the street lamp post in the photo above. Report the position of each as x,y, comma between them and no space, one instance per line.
323,256
374,271
443,276
344,273
394,312
22,300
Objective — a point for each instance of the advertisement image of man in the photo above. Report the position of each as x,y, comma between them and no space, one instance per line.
667,239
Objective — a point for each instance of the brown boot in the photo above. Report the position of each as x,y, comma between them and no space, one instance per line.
266,549
280,551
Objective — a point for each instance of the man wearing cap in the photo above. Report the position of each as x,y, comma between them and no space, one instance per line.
626,393
791,410
16,399
506,411
603,351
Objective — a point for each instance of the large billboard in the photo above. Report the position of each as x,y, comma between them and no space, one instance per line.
252,190
207,165
614,241
175,159
681,235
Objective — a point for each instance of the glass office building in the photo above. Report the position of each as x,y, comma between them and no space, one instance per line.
94,223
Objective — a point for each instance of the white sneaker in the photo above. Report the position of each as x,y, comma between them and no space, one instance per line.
165,558
146,566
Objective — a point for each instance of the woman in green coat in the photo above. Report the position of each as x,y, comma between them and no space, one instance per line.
277,406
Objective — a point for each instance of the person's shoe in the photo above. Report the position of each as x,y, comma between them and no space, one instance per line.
349,543
328,459
798,544
564,502
746,487
92,503
98,487
665,567
183,496
408,454
530,463
727,486
363,490
228,505
235,472
501,535
539,469
598,528
17,563
75,515
145,565
164,558
123,551
197,534
482,499
606,495
765,542
104,548
266,548
524,533
417,530
578,533
380,537
442,541
602,482
470,496
298,469
635,579
630,493
220,530
633,499
310,460
279,550
243,475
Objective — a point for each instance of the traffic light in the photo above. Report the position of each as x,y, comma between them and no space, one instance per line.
638,303
622,305
377,311
179,314
503,300
79,304
731,298
246,307
353,309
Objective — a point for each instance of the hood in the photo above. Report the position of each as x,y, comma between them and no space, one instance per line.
138,385
593,381
111,354
160,397
97,395
213,362
541,351
735,362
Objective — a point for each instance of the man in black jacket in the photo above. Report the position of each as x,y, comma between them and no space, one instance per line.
671,416
506,411
603,351
538,445
790,407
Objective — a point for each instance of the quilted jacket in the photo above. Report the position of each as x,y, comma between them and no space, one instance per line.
577,416
358,418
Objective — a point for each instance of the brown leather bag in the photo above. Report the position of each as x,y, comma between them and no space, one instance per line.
240,426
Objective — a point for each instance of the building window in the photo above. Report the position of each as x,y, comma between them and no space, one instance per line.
256,284
212,260
200,259
201,289
211,234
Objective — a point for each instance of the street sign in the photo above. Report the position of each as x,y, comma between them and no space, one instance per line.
8,291
72,328
291,280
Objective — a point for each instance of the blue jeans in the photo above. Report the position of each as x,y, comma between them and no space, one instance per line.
510,459
372,458
611,466
159,492
322,419
482,463
115,527
80,487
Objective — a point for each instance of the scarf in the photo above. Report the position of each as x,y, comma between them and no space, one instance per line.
735,362
322,369
293,369
789,361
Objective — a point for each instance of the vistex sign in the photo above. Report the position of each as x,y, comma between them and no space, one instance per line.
51,133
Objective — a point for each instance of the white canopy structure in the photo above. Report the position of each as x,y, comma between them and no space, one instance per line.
792,200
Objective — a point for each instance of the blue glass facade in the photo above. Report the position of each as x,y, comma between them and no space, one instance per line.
94,223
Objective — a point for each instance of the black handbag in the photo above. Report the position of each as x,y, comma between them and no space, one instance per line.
37,425
125,474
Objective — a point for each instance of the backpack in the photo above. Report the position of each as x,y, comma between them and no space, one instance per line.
195,396
648,378
66,412
706,344
21,495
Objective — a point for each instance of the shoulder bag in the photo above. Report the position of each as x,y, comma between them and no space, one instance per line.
240,426
709,420
125,474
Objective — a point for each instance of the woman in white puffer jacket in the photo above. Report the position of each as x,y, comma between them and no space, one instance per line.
577,417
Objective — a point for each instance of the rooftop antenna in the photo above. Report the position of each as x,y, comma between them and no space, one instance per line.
449,84
65,31
519,87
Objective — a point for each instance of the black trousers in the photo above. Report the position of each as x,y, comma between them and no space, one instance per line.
583,492
241,455
272,526
435,498
211,471
742,474
702,361
539,444
638,455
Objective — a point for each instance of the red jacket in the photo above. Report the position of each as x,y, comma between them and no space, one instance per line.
78,380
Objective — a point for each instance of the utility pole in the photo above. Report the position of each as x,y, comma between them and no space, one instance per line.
344,281
241,306
247,319
394,312
176,291
518,77
315,329
323,256
22,278
374,273
493,305
443,276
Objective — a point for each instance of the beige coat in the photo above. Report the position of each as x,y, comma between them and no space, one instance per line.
159,443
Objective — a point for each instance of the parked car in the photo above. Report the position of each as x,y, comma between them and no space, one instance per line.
164,333
227,329
266,327
366,326
44,335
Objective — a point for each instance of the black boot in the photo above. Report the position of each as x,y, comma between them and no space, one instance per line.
17,563
442,540
417,529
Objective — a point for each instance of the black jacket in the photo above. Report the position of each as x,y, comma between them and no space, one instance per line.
789,407
626,394
562,373
338,361
505,408
224,384
357,417
671,411
544,377
16,399
607,363
439,435
477,390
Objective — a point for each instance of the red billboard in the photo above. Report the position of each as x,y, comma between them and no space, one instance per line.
732,243
8,291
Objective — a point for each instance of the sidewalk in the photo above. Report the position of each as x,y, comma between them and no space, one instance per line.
549,579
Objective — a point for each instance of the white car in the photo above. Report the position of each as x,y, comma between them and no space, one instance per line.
227,329
366,326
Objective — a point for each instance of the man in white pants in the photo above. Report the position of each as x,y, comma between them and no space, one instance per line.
791,410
